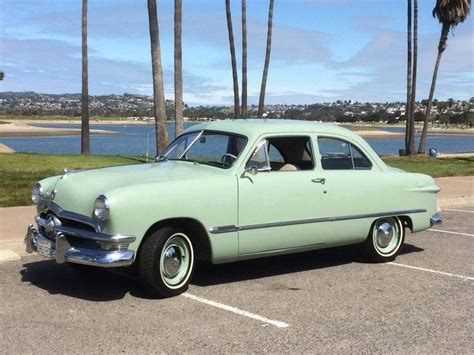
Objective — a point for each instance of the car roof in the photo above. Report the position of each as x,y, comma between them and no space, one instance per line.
257,127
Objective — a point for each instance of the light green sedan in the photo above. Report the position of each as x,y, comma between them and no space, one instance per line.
231,190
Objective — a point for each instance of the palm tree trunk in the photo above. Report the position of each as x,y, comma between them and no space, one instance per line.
441,47
409,81
244,59
158,86
233,60
412,142
261,102
85,143
178,67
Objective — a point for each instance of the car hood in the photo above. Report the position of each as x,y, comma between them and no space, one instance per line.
76,192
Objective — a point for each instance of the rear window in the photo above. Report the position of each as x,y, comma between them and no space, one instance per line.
337,154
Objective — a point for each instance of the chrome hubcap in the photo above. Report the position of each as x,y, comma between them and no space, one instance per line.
176,260
387,236
172,262
385,233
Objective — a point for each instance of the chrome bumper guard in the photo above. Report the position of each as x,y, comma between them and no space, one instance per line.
111,251
436,219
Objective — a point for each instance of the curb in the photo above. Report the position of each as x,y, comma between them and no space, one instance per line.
458,201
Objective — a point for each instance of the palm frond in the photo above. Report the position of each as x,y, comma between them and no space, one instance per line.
452,12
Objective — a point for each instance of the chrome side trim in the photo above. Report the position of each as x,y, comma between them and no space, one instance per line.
223,229
232,228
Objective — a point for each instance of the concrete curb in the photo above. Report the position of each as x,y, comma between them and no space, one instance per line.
452,202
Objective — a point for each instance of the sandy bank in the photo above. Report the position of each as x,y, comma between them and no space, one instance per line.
20,129
5,149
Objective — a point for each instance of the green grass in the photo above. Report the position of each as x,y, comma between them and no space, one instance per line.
435,167
19,171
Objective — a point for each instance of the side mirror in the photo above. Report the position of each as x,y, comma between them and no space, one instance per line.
252,170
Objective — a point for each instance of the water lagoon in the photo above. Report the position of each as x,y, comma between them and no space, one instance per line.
139,139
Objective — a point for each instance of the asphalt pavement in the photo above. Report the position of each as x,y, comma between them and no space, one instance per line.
327,301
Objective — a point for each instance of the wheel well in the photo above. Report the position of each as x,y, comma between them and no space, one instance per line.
197,234
407,222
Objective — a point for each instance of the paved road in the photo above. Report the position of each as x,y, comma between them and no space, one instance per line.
324,301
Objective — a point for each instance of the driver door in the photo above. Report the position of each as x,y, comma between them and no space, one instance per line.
272,201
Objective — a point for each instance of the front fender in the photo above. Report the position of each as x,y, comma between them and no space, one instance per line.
212,202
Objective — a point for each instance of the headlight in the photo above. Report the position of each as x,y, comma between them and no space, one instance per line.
37,194
101,208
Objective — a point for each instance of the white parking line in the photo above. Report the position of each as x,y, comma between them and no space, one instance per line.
449,232
225,307
455,210
432,271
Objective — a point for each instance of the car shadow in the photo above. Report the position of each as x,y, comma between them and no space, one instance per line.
92,284
100,285
209,274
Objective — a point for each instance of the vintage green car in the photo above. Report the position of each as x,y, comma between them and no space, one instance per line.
231,190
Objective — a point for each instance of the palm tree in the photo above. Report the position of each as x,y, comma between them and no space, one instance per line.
411,128
178,67
408,136
411,78
233,60
85,144
450,13
261,102
244,59
158,86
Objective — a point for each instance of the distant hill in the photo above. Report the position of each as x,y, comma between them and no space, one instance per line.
132,105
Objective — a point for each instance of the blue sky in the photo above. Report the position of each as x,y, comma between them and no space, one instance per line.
323,50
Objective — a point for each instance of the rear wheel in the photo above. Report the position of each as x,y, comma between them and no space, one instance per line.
166,262
385,239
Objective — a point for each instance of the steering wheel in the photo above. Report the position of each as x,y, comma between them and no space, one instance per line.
224,158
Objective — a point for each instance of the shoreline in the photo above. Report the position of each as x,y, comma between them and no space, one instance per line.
21,129
27,128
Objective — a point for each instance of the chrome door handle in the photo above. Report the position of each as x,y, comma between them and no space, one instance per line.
319,181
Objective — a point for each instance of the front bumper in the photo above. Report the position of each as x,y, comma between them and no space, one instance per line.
102,250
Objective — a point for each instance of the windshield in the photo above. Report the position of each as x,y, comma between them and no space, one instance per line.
206,147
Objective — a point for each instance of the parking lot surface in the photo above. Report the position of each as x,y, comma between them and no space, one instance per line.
319,302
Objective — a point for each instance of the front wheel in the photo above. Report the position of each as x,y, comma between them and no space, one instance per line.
385,239
166,262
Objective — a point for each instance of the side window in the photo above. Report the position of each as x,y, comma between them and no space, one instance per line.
337,154
291,153
360,161
259,158
274,155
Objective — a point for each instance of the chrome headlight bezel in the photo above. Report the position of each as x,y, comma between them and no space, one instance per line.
101,209
37,194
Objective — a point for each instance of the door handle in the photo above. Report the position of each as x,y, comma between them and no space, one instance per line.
319,181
